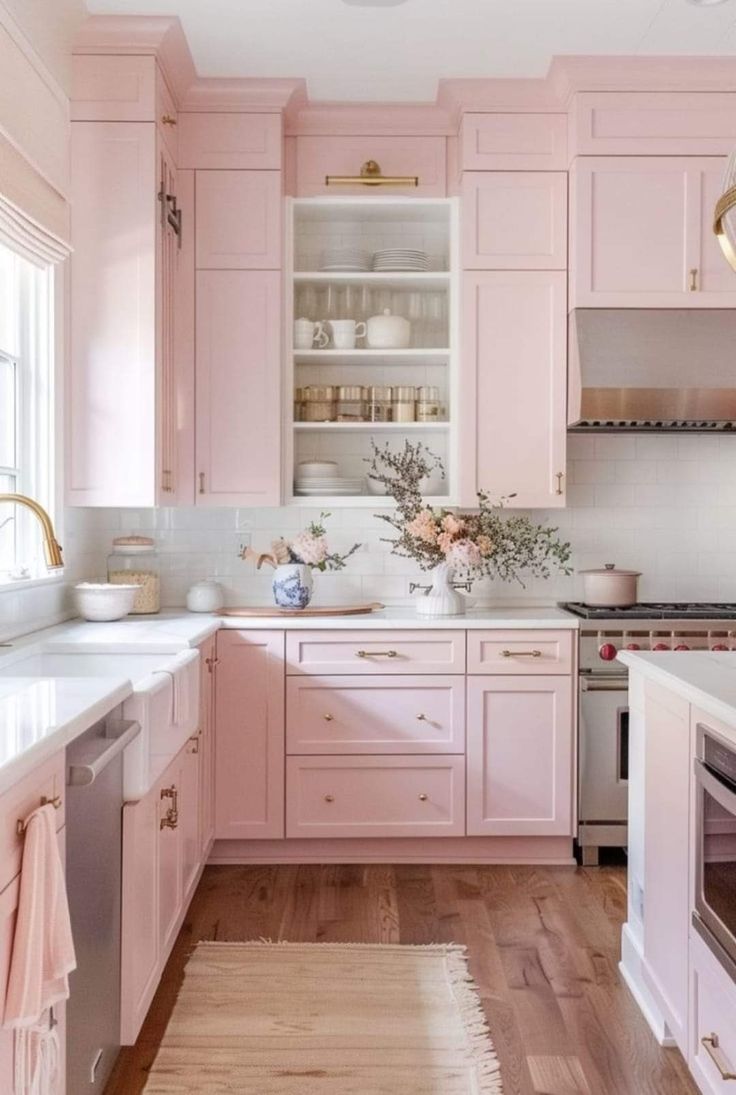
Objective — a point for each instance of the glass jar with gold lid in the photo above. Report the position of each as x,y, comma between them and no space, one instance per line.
134,561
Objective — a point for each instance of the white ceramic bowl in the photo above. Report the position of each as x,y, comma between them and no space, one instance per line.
103,601
315,469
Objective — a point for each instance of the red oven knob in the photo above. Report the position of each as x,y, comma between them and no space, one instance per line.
633,646
660,646
607,651
719,646
682,646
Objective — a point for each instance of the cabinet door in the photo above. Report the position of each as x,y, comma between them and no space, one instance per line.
520,756
513,402
238,433
514,220
139,949
249,728
208,668
239,220
667,899
189,816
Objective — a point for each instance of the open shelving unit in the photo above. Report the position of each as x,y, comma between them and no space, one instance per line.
429,300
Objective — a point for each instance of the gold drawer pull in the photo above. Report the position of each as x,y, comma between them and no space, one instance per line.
170,820
20,825
329,718
376,654
693,286
423,797
194,742
168,119
422,718
712,1044
211,663
329,798
521,653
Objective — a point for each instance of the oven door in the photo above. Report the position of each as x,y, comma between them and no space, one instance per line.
604,749
715,862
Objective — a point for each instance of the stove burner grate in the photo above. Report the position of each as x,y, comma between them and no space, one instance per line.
656,610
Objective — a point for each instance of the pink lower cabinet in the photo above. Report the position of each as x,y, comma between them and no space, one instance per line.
249,765
375,715
520,754
375,796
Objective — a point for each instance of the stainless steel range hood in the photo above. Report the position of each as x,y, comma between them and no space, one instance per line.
652,369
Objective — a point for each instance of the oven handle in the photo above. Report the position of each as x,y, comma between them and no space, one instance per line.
714,787
604,684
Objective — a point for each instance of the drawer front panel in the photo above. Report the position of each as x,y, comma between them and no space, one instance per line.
375,652
47,782
375,796
375,715
713,1013
514,142
318,157
526,652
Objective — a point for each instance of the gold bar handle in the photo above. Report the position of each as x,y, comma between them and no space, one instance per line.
168,119
558,477
171,818
521,653
20,825
712,1045
201,482
211,663
376,654
693,287
194,742
166,481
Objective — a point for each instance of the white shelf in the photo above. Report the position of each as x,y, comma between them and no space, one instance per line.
361,501
413,356
405,279
372,427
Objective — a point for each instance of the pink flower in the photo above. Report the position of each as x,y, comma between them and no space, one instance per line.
311,550
452,524
464,554
445,541
485,545
423,526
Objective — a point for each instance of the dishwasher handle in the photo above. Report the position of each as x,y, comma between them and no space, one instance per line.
118,733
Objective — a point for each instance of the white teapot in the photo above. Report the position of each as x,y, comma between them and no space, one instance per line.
388,332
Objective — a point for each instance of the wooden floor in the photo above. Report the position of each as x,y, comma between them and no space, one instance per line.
543,947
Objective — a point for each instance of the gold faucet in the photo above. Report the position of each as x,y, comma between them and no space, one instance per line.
51,546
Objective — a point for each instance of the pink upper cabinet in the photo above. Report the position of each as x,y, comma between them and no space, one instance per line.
317,157
513,142
641,234
238,415
238,141
514,220
653,123
513,400
239,220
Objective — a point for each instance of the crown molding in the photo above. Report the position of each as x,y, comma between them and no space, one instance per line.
371,120
253,94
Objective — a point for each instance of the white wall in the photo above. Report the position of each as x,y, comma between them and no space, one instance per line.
664,505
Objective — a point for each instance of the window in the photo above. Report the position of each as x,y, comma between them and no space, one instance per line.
26,409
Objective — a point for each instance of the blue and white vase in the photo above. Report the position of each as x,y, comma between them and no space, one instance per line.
292,585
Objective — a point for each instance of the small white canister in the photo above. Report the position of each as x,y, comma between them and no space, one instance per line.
610,588
206,596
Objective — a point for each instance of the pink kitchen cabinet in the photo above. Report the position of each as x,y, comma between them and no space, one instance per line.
513,142
238,220
191,816
520,756
210,140
318,157
129,382
513,400
667,894
208,668
139,948
238,379
641,233
249,759
514,220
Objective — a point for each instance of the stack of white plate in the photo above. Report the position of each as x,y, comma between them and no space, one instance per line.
345,260
400,258
315,478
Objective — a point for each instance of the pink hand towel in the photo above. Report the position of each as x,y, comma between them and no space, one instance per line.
42,958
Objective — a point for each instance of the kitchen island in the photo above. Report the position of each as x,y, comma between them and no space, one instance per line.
679,941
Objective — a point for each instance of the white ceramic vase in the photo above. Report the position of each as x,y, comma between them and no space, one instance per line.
442,599
292,585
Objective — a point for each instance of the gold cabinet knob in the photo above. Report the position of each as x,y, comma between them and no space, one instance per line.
422,718
329,718
329,798
168,119
423,797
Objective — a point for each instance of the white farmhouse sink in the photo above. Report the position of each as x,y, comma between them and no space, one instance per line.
165,700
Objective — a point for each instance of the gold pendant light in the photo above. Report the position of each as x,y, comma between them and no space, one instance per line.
724,219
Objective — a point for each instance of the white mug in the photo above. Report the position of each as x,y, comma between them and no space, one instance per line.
307,332
345,332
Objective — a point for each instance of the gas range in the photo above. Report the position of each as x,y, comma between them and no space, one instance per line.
651,626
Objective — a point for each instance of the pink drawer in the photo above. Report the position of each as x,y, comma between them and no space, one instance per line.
318,157
375,652
375,715
528,652
235,141
47,782
514,142
375,796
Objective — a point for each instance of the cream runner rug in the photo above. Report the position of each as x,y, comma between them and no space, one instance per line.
326,1018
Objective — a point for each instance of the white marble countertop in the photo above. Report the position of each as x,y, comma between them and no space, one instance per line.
706,678
404,617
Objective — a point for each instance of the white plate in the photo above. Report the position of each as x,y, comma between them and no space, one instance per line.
326,492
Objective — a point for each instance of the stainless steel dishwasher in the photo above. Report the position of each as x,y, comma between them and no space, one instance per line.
94,803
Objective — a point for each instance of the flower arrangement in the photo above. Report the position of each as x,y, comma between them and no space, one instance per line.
482,543
309,548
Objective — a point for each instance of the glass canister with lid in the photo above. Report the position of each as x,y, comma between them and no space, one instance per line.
134,561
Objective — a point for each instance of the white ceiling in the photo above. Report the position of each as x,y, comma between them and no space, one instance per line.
398,53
